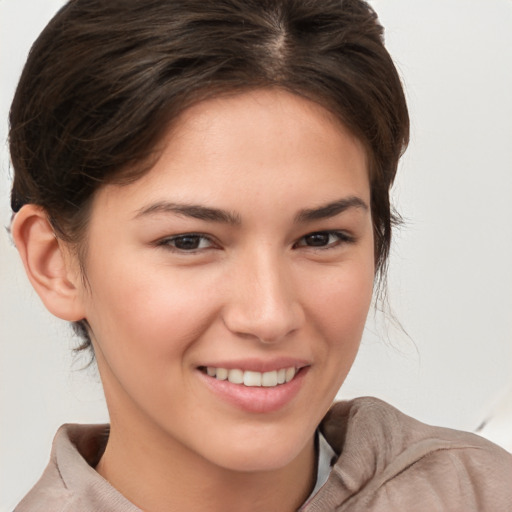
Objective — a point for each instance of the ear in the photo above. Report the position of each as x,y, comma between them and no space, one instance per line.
48,263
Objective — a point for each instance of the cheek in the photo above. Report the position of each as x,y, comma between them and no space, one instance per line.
145,325
150,312
341,306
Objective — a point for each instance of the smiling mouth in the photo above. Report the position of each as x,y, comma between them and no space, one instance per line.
250,378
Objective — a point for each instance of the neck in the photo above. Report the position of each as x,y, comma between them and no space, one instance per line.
157,473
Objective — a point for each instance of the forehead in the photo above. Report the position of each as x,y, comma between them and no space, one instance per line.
269,141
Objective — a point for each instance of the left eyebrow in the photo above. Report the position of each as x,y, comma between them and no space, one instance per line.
190,210
330,209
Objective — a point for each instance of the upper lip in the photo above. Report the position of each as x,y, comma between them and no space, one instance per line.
258,365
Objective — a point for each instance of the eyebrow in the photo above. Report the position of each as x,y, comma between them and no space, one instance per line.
222,216
330,209
191,210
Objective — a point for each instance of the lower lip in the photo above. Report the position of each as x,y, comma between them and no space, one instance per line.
256,399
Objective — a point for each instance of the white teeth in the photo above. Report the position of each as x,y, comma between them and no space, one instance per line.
269,379
221,374
290,373
253,379
236,376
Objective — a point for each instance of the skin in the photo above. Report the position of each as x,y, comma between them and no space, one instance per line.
254,289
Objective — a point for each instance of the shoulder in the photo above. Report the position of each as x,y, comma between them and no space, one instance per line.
49,493
388,461
69,482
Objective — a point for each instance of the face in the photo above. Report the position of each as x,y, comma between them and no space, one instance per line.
243,259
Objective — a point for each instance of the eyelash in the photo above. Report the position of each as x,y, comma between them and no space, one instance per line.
342,238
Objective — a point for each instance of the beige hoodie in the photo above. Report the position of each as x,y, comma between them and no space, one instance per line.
386,461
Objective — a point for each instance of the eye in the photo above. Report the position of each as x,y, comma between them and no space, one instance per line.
188,242
324,239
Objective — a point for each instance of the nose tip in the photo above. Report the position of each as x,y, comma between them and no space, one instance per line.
270,326
264,307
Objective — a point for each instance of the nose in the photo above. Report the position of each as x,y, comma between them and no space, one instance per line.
263,303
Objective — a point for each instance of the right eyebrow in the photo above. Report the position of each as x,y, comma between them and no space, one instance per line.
331,209
190,210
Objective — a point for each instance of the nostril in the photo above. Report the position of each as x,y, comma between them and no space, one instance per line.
266,329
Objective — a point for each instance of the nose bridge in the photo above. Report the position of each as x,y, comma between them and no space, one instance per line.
263,301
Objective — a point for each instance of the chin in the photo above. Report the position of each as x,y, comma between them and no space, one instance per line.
261,453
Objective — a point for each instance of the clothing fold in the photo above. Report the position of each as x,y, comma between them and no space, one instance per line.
385,461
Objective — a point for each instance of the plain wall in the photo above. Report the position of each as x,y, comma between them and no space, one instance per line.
450,279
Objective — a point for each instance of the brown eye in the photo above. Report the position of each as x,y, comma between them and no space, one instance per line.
186,243
317,239
324,239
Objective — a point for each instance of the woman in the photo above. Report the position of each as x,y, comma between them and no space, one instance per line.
203,190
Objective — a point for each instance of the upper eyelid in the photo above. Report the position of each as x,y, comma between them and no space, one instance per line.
186,233
181,235
340,232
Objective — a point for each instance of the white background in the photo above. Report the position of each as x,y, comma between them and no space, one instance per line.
451,266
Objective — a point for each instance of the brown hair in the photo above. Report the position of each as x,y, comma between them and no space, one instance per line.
106,78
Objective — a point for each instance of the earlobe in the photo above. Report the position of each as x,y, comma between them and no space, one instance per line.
47,265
